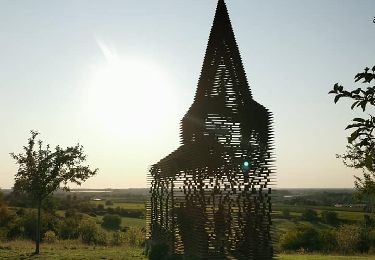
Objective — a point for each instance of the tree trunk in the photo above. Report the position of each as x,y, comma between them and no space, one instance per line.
37,241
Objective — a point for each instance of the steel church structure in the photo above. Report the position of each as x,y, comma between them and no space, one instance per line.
211,198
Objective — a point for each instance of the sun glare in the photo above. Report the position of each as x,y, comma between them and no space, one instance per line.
129,96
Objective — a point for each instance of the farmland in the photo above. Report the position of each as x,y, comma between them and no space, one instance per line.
285,217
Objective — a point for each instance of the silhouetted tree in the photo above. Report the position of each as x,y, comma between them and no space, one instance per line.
361,142
42,171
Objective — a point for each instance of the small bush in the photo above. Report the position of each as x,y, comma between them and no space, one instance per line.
301,237
88,231
328,240
285,213
158,252
135,236
111,221
348,238
118,238
102,238
330,218
109,203
50,237
69,228
309,215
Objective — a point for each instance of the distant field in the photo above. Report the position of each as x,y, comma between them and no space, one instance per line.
125,205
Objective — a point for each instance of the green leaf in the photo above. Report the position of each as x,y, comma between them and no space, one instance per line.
353,136
358,119
354,104
337,98
351,126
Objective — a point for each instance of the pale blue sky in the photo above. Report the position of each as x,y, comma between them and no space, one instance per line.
56,58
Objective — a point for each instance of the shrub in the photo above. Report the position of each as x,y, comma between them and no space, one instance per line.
69,228
88,230
50,237
102,238
48,221
285,213
159,251
348,238
118,238
111,221
15,228
5,215
109,203
328,240
330,218
135,236
309,215
301,237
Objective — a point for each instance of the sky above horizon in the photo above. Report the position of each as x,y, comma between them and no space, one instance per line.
118,76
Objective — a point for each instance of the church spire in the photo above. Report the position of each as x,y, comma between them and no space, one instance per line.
222,48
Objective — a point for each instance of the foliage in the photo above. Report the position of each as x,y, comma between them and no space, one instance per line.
330,217
42,171
118,238
111,221
309,215
301,237
109,203
50,237
69,228
159,251
361,142
88,230
28,220
285,213
348,238
5,215
328,240
135,236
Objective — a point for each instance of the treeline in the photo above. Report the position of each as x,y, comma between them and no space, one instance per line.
326,233
346,239
320,197
81,204
20,224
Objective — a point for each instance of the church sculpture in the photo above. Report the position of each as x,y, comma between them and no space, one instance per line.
210,198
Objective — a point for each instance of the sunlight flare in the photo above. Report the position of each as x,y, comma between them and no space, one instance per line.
129,96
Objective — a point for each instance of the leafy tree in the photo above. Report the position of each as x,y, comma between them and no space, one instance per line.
301,237
111,221
42,171
348,238
361,142
309,215
88,230
330,217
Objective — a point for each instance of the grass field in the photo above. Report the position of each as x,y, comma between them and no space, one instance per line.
66,249
21,249
324,257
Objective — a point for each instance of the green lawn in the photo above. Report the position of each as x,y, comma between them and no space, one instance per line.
73,249
323,257
67,250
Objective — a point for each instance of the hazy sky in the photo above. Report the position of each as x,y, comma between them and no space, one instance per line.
117,76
